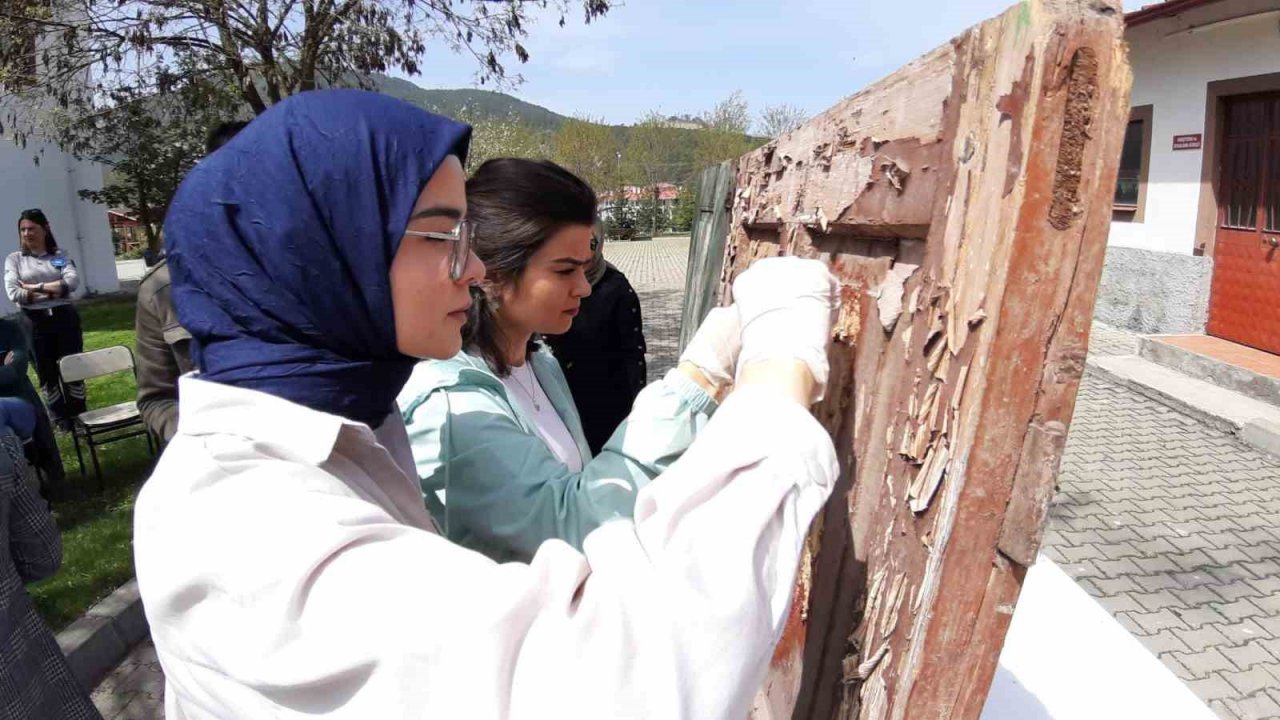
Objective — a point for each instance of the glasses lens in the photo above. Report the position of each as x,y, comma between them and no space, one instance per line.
461,251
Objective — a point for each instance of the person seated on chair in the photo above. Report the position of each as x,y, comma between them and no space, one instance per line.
164,352
15,356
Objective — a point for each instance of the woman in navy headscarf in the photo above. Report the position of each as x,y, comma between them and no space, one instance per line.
286,561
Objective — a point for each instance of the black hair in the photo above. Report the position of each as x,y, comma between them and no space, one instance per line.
36,215
514,206
222,133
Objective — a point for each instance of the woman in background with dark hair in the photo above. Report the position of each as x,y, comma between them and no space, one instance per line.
602,355
498,443
40,279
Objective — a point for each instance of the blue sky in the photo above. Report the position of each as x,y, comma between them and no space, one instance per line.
681,56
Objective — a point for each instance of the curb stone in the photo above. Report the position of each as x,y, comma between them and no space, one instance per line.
1260,433
104,635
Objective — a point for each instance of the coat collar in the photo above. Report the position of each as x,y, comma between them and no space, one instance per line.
464,370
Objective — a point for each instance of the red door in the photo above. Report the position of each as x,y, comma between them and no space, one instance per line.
1244,301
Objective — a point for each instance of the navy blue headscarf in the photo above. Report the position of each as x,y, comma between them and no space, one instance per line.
280,247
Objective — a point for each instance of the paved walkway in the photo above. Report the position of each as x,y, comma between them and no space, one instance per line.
1170,525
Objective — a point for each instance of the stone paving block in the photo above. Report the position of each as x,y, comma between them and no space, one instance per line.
1245,630
1269,624
1188,544
1078,546
1256,707
1159,581
1171,661
1248,655
1162,564
1191,561
1129,624
1258,536
1269,604
1120,603
1114,586
1165,642
1219,524
1212,687
1118,529
1234,573
1198,596
1265,570
1154,622
143,707
1227,556
1087,522
1157,600
1261,551
1219,707
1203,637
1240,609
1158,546
1236,590
1206,662
1122,566
1083,569
1198,616
1269,585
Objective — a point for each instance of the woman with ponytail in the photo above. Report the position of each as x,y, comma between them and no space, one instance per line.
499,446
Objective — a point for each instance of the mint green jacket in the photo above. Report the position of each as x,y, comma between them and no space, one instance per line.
493,484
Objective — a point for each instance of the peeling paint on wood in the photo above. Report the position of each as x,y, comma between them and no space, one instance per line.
963,204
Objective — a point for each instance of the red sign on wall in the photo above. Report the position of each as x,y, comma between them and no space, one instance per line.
1187,142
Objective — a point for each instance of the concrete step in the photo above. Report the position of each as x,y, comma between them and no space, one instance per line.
1225,375
1255,422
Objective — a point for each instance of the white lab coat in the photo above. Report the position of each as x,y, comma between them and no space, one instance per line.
288,569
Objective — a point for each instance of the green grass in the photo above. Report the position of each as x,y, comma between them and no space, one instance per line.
97,530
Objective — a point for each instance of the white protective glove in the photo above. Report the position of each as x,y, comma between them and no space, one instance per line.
715,346
786,306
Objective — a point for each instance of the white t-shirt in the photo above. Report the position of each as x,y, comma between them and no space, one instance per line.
523,385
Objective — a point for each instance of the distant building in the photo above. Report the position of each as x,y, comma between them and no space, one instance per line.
668,194
685,122
1195,237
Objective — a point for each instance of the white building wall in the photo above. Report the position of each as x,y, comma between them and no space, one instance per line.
1171,73
52,185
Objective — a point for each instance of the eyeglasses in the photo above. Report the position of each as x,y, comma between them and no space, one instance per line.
459,250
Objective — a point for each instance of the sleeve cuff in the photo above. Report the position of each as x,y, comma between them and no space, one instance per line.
689,392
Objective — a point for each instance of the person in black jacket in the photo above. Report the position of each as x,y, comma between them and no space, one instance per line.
603,353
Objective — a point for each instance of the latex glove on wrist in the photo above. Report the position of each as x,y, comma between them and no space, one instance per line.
715,346
787,306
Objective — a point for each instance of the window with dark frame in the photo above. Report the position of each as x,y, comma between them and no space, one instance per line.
1128,182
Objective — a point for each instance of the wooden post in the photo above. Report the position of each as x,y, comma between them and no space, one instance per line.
964,203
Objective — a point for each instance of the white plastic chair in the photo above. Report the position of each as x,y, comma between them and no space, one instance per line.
102,425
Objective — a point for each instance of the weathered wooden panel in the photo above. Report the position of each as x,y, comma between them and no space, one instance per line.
964,203
706,247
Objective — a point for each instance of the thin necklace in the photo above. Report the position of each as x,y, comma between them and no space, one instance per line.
537,407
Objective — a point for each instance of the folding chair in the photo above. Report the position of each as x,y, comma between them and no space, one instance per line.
103,425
